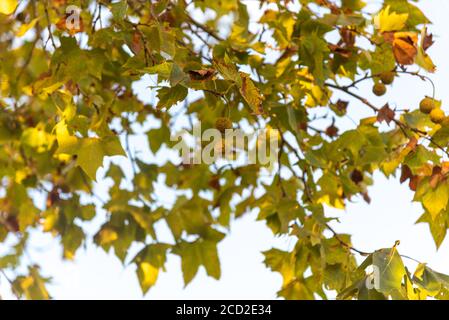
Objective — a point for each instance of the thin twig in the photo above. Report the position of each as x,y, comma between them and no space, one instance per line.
336,236
50,34
204,28
400,124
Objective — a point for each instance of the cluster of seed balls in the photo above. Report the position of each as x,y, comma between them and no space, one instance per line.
427,105
385,78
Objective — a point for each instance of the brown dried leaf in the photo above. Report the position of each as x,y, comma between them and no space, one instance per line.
345,53
427,42
203,74
347,37
137,43
342,105
413,184
251,94
406,173
436,177
385,114
405,47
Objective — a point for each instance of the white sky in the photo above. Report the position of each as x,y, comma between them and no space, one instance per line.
390,217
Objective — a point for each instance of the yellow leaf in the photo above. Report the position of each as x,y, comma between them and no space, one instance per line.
8,6
106,236
251,94
386,21
147,274
67,143
45,92
50,219
422,59
332,202
22,174
24,28
436,200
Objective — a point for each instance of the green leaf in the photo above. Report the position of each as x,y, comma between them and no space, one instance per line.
227,69
67,143
313,53
195,254
91,152
119,9
415,15
169,96
32,285
435,200
431,281
391,269
157,137
150,260
90,156
441,136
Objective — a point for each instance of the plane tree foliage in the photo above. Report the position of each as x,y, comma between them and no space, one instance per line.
69,105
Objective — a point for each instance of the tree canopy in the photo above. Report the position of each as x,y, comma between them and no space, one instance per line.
68,102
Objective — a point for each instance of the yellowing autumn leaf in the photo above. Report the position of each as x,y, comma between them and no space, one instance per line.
436,200
24,28
251,94
67,143
147,274
386,21
106,235
92,151
404,47
8,6
423,59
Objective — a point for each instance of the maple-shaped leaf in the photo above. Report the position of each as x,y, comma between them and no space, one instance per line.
92,151
391,269
386,21
404,45
435,200
385,114
251,94
341,105
227,69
